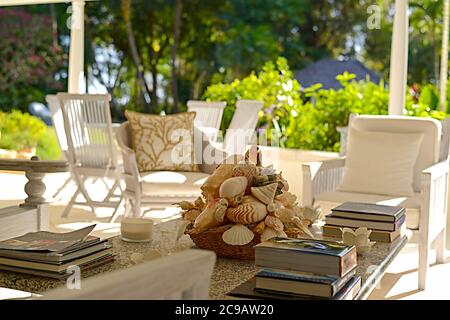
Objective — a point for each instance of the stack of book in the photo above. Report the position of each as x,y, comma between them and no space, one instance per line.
302,269
49,254
386,222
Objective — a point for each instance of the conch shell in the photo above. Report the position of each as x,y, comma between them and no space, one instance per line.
238,235
274,223
232,187
265,194
210,189
287,199
212,216
299,223
260,227
250,211
191,214
283,182
253,155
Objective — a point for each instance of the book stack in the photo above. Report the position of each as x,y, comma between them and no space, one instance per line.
386,222
49,254
302,269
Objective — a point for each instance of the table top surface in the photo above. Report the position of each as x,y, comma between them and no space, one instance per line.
227,274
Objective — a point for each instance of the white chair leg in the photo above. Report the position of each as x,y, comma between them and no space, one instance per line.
62,187
70,204
440,247
424,252
80,182
116,211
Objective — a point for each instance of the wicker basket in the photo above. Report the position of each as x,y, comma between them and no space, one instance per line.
211,239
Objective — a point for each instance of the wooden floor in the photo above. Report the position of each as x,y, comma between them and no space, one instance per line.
399,282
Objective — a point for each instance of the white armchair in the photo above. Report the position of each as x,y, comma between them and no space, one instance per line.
426,210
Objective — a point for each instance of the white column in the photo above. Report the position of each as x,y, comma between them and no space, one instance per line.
444,59
76,54
399,59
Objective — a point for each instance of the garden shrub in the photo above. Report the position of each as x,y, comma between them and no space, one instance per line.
308,118
22,131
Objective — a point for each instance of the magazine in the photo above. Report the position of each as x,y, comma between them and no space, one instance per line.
47,241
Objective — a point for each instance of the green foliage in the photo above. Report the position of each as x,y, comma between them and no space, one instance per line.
22,131
325,110
310,120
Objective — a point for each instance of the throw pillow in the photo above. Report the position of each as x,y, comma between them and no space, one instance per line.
380,162
163,142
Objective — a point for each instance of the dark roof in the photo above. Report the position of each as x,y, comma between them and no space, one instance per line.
325,71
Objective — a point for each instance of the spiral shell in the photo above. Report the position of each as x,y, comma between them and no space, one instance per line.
238,235
274,223
248,212
265,194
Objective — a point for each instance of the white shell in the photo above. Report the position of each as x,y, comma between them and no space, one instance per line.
270,233
359,238
233,187
265,194
238,235
311,213
287,199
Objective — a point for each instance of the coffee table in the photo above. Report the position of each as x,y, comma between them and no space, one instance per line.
227,274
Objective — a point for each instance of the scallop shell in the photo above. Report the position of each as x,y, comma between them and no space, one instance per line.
238,235
232,187
270,233
250,211
287,199
274,223
265,194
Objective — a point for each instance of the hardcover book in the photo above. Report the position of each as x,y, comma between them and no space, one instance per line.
356,223
247,290
301,283
306,255
375,235
368,211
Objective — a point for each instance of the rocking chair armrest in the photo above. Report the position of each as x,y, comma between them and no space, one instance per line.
319,177
434,199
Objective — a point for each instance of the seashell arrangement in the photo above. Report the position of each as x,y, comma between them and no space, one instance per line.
245,199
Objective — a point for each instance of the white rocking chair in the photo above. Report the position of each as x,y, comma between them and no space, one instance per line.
91,148
242,127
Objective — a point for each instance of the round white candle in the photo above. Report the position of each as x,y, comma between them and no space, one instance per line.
136,229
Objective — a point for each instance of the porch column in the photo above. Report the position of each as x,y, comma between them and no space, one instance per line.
399,59
444,59
76,53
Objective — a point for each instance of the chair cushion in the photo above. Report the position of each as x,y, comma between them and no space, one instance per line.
163,142
380,162
330,200
172,184
430,128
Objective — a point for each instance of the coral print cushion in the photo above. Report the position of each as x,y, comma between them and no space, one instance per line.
163,142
